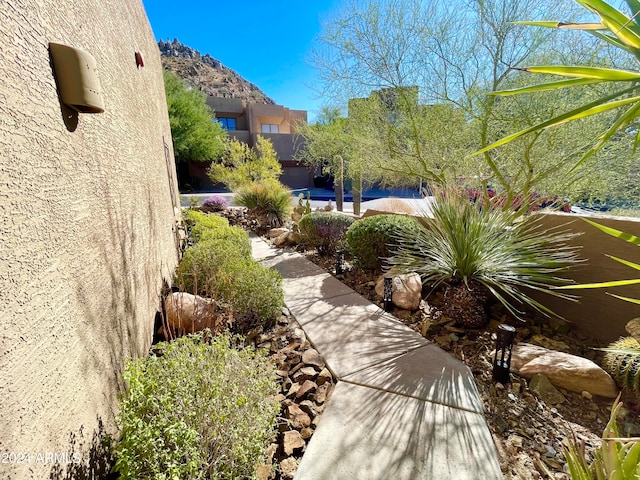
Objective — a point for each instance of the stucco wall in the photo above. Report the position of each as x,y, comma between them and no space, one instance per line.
596,313
87,215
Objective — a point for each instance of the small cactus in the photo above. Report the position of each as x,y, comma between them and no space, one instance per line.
624,365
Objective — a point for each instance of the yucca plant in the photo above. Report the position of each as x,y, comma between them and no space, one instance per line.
617,458
616,28
475,252
270,202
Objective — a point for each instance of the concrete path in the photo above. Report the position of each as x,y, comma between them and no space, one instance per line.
403,409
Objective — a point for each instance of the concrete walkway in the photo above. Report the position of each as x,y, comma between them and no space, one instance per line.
403,409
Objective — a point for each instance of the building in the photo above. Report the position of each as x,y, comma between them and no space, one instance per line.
88,215
245,121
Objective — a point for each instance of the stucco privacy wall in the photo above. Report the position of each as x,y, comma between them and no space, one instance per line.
596,313
88,209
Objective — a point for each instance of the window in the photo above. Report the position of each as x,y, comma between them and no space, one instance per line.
227,123
270,128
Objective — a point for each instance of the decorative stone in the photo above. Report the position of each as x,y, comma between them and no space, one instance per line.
312,357
297,417
281,240
542,387
322,393
307,387
407,290
323,377
276,232
563,370
306,373
292,441
192,313
288,467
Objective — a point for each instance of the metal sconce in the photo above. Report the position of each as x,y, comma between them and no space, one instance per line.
339,262
502,357
387,296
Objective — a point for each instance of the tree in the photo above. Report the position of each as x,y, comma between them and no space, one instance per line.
622,32
196,135
454,53
241,165
327,145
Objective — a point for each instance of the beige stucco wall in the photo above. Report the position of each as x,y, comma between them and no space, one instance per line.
598,314
87,217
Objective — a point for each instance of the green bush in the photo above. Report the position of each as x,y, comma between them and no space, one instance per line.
221,269
270,202
198,409
198,223
234,235
325,231
371,240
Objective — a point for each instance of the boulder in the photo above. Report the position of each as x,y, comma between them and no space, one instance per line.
280,240
188,313
407,290
573,373
276,232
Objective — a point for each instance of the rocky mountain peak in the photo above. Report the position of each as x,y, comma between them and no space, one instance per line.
208,74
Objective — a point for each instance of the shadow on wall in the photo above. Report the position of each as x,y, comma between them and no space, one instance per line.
120,327
84,460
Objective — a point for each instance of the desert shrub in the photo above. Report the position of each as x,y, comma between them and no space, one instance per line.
215,203
269,202
198,409
199,222
234,235
475,252
325,231
254,292
373,239
220,268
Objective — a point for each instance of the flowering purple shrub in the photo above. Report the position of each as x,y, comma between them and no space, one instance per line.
215,204
325,231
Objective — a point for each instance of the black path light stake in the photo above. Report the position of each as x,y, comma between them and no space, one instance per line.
339,262
387,296
502,358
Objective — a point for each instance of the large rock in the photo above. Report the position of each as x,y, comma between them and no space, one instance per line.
276,232
407,290
563,370
191,313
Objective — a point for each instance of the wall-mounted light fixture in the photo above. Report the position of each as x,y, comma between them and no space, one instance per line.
77,78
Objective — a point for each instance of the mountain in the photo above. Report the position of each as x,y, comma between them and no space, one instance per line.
208,74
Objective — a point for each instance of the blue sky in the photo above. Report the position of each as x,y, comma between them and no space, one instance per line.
267,43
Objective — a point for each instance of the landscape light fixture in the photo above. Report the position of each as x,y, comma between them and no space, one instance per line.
339,262
502,357
387,296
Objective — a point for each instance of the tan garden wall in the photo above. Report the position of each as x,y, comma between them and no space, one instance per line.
87,214
597,313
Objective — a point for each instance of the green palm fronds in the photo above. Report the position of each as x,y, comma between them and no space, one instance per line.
621,31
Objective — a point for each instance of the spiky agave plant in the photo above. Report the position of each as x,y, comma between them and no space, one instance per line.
479,252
